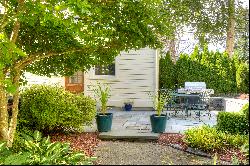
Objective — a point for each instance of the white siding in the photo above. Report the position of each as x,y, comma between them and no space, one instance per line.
234,105
35,79
136,74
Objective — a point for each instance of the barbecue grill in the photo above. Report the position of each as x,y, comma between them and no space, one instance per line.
195,87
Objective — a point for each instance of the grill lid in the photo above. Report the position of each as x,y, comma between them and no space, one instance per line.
195,85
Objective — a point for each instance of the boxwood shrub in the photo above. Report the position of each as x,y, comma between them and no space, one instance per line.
233,122
210,139
47,108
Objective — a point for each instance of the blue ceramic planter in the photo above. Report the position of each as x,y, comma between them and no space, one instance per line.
128,107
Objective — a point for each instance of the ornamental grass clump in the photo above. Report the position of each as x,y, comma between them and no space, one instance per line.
159,100
102,94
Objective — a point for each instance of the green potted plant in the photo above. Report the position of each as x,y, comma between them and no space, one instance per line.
103,119
158,120
128,104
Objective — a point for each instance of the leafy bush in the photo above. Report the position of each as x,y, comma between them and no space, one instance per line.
232,122
209,139
242,78
245,111
40,151
47,108
87,106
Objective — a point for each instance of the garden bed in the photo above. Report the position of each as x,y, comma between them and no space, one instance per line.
86,142
243,96
175,140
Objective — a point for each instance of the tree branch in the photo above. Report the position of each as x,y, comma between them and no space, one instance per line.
16,27
38,56
4,22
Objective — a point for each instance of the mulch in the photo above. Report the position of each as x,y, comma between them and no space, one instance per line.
85,142
167,139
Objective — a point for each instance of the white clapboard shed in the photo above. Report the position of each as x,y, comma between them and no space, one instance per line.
134,74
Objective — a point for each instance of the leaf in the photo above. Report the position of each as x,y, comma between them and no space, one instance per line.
37,136
46,141
27,137
17,159
9,86
52,148
31,146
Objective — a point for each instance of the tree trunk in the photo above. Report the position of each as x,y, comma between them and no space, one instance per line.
203,41
3,113
172,50
13,120
230,28
11,127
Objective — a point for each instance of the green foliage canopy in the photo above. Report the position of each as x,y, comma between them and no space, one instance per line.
61,37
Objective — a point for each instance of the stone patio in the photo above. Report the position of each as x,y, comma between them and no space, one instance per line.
136,124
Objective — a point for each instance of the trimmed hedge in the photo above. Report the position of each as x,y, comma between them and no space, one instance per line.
47,108
220,72
232,122
210,139
167,73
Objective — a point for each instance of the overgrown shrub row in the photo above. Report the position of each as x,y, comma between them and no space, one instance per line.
210,139
218,70
47,108
231,131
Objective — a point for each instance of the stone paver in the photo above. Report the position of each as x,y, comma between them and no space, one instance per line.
136,123
129,134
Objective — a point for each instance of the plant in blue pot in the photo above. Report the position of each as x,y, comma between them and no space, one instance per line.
158,120
128,105
103,119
